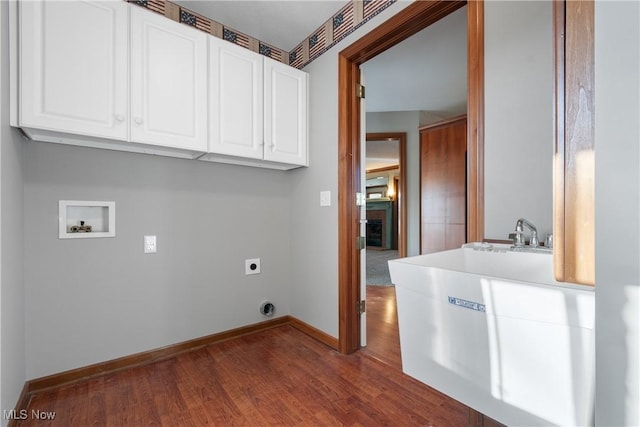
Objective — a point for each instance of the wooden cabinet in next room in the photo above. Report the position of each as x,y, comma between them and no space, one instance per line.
443,182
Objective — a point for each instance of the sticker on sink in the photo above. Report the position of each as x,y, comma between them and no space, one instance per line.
467,304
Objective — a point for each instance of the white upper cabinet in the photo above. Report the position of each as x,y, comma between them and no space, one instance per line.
236,100
73,67
285,113
258,109
168,82
114,75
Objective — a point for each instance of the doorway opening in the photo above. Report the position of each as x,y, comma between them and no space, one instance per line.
386,238
390,148
404,24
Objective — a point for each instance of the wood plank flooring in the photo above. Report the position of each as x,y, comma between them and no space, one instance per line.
275,377
383,341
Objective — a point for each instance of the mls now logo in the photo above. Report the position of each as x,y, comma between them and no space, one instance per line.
23,414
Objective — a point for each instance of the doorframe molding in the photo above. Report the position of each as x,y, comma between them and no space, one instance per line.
412,19
401,196
573,177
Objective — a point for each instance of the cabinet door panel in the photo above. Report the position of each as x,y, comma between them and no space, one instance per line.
236,97
73,66
168,82
285,115
443,185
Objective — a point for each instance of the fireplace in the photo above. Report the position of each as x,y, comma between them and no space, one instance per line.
374,233
379,225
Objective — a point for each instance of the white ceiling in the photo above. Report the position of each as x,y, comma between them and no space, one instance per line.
382,154
426,72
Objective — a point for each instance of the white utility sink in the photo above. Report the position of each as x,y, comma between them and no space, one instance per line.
490,327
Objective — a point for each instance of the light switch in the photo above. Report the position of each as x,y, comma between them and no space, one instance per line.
325,198
150,245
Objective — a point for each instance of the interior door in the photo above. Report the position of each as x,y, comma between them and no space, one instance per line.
363,215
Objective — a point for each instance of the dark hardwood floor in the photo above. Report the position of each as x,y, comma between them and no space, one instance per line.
383,341
275,377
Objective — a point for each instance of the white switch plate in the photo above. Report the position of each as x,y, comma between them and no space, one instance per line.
252,266
325,198
150,245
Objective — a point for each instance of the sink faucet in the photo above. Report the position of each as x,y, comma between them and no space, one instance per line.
518,240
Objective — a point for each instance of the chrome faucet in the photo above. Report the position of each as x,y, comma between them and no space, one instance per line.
518,237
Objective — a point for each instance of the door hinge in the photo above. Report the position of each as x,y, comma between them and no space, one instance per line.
360,91
360,199
362,306
361,242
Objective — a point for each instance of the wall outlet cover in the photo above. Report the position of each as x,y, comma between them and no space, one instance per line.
252,266
150,246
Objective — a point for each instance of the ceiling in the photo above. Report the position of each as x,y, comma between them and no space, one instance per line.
382,154
283,24
427,72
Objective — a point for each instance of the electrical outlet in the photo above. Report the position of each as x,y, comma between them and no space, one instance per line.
252,266
150,245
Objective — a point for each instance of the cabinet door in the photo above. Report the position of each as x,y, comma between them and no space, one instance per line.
168,82
443,183
73,67
235,99
285,113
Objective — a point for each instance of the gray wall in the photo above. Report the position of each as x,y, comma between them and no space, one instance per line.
314,293
518,116
12,325
91,300
617,156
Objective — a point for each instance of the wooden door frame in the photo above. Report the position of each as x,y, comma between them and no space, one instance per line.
573,183
412,19
402,184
